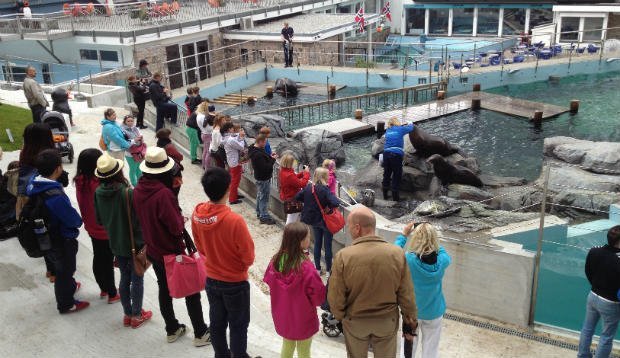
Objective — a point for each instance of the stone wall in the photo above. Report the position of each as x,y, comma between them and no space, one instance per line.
613,23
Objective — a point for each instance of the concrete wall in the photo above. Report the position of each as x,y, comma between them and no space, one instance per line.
613,23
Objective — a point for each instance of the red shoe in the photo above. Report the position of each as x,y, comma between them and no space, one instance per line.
114,299
138,321
77,306
126,321
77,287
103,295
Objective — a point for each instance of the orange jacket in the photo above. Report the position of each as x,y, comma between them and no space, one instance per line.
222,236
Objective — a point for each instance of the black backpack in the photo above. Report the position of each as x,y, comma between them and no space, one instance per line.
34,209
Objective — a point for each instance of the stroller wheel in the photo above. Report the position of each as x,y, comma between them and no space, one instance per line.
331,330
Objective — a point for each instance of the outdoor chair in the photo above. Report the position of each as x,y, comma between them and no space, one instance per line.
495,60
545,54
557,49
518,59
507,61
581,49
592,48
456,65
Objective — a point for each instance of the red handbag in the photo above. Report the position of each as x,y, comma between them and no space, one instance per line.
185,274
332,216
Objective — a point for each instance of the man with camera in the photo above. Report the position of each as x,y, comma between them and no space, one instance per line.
287,44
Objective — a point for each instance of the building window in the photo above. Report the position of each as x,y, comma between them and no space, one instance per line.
438,21
540,17
570,29
488,21
111,56
462,21
592,28
415,21
88,55
514,22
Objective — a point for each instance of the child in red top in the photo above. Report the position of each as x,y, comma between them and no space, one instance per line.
164,141
103,260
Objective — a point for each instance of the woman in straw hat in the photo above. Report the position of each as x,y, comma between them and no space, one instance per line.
111,209
158,210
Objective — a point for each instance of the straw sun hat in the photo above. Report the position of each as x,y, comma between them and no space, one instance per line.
107,166
156,161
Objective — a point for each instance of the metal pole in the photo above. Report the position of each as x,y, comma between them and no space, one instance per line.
90,78
541,228
77,66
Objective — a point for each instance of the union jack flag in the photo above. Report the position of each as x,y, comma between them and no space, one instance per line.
386,11
359,18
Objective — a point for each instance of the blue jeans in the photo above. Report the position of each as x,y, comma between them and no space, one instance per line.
62,255
167,109
131,287
322,234
229,306
392,170
598,308
262,198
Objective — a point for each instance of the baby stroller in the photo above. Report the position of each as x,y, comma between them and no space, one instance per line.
60,96
60,131
331,326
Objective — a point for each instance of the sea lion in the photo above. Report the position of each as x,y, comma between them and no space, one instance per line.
286,87
426,144
449,173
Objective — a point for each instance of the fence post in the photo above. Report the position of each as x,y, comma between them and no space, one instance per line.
90,79
541,228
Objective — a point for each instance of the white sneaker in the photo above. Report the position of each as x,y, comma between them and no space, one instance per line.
327,276
204,340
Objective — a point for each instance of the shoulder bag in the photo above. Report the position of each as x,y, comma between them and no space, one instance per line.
140,262
333,217
186,274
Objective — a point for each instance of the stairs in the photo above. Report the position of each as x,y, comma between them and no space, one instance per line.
233,99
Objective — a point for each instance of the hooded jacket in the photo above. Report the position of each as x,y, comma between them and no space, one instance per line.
394,142
311,213
222,236
113,136
157,209
262,163
294,298
291,183
427,273
64,221
110,210
85,193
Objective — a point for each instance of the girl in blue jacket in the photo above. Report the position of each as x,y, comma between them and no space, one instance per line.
427,262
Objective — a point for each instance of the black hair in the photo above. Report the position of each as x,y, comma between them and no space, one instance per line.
118,178
47,161
87,162
210,120
613,235
215,183
165,178
37,137
226,127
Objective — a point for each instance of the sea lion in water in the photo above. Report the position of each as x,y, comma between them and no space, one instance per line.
286,87
449,173
426,144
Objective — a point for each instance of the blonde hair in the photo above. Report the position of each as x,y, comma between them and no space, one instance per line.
328,164
393,122
287,161
321,176
203,107
424,240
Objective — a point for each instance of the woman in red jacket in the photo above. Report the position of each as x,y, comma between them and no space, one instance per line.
291,183
103,260
164,141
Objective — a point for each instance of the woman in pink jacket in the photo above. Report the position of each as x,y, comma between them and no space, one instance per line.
296,290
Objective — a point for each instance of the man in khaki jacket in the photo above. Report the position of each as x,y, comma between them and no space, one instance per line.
370,281
34,95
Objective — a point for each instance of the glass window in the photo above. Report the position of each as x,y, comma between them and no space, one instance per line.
189,58
488,21
415,21
88,55
514,22
438,21
592,28
111,56
203,59
462,21
570,28
540,17
174,66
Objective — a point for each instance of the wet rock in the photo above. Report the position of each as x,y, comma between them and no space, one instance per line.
567,177
252,124
470,163
467,192
515,197
377,147
494,181
588,201
312,146
596,157
414,179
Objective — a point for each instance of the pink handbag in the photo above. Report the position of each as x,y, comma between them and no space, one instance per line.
185,274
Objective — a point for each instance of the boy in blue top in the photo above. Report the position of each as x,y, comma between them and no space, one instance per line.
393,153
63,223
427,263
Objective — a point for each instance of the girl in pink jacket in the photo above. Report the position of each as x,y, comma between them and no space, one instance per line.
330,165
296,290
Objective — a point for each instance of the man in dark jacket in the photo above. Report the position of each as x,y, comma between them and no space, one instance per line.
140,94
63,223
603,272
262,163
161,100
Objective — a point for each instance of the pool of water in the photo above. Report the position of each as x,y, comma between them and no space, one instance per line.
512,146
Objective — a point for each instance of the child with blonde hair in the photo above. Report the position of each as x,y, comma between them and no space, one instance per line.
427,262
332,182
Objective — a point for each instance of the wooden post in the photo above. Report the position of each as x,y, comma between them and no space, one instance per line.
358,114
475,103
476,87
269,92
441,95
574,106
380,129
251,100
538,116
332,91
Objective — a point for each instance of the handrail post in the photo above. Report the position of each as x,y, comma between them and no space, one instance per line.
541,229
